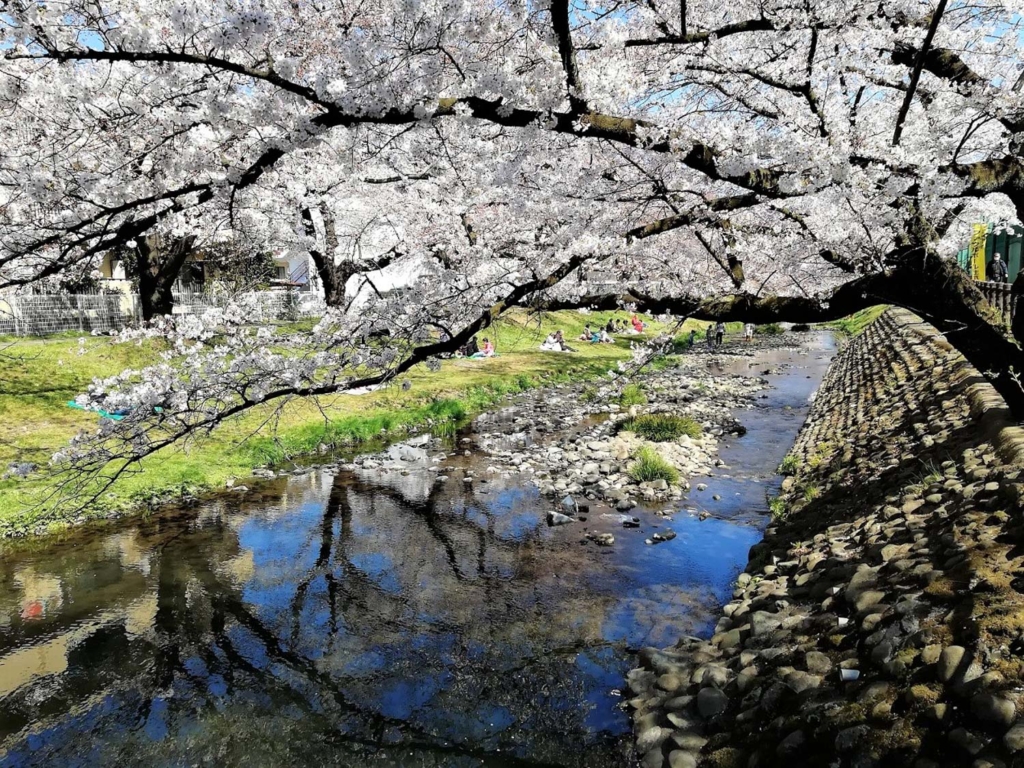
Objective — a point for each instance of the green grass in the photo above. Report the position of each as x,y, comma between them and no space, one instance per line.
632,394
854,325
789,465
777,507
38,377
648,465
660,427
770,329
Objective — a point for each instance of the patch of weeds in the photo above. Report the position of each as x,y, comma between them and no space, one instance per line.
663,363
770,329
817,458
632,394
588,395
777,507
789,465
660,427
811,492
931,473
648,465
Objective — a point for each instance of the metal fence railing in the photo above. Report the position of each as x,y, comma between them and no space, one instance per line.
44,314
999,296
31,314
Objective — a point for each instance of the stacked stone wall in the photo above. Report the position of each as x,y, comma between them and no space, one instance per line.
881,620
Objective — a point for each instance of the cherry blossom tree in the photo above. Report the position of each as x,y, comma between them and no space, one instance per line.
760,160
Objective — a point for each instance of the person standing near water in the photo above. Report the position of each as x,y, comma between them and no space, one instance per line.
711,335
719,333
748,332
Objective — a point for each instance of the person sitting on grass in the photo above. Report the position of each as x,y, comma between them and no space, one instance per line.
587,333
469,349
560,338
638,325
551,343
606,339
486,351
610,326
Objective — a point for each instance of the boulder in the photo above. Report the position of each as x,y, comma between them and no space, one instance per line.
711,702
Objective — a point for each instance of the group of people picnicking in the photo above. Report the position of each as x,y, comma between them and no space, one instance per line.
555,342
474,351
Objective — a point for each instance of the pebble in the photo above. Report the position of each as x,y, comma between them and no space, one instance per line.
1014,738
711,702
949,660
993,709
854,611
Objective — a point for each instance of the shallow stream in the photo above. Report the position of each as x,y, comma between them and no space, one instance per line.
371,617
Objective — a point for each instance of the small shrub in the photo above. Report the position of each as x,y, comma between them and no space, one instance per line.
770,329
777,507
811,492
788,465
648,465
801,328
661,427
632,394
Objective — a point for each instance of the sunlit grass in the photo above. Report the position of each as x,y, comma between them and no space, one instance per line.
661,427
648,465
39,376
632,394
854,325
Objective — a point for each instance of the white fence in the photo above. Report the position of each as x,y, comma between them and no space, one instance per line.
45,314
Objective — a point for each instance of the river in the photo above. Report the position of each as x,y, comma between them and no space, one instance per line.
369,618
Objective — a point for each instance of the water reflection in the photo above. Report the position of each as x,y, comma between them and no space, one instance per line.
379,616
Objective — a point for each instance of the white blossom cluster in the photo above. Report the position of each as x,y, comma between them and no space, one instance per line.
493,154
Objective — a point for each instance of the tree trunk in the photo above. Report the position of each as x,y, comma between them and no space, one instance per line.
936,289
158,268
944,295
323,259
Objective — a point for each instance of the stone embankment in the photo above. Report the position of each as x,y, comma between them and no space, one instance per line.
881,620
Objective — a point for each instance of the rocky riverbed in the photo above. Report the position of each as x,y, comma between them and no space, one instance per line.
568,440
418,590
879,622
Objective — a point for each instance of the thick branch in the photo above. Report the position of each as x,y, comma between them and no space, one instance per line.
560,18
678,220
737,28
916,74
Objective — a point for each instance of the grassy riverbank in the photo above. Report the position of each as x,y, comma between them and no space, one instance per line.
854,325
41,375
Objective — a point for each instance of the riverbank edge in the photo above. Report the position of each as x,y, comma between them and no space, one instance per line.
304,435
776,681
344,436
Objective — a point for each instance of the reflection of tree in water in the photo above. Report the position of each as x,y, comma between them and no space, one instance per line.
428,633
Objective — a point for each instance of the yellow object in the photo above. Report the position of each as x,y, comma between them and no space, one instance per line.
979,235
